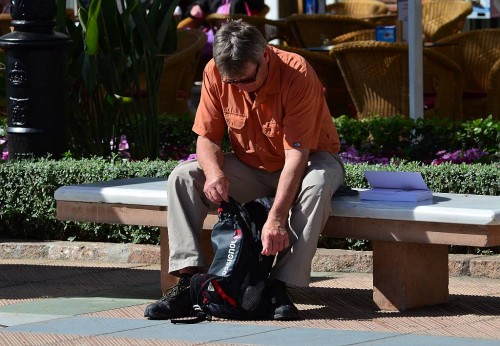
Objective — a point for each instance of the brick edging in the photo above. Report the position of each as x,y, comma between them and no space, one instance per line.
325,260
335,260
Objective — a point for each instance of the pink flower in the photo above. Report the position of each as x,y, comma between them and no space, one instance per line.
189,158
123,145
459,156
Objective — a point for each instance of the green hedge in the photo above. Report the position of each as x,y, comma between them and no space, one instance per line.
27,198
28,206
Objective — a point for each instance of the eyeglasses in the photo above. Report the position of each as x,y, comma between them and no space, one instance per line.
247,80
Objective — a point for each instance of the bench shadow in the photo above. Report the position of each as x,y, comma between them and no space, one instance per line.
30,282
357,304
20,281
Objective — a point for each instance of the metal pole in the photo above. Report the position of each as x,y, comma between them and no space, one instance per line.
415,59
35,70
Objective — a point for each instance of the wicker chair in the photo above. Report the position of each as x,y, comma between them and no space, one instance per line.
270,29
372,11
376,74
359,35
196,23
336,93
441,18
476,52
493,103
358,8
178,72
312,30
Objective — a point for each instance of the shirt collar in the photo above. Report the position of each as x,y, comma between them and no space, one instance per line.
272,84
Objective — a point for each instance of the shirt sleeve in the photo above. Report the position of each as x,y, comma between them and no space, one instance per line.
305,108
209,121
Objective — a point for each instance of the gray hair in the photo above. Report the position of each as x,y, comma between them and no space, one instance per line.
236,44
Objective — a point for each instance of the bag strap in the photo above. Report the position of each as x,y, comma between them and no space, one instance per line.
242,215
200,316
248,9
237,209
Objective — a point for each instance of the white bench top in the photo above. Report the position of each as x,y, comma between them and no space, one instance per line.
444,207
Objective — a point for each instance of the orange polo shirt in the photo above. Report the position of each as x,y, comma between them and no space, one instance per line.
289,111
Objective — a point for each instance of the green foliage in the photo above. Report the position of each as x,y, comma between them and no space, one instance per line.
479,179
114,69
417,140
351,132
482,133
433,135
28,205
177,140
390,135
3,125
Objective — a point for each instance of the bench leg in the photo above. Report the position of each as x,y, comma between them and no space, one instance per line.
167,280
409,275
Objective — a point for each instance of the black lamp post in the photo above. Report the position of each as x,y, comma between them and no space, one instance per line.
35,70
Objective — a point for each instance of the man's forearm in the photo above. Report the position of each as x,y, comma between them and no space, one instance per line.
210,158
209,155
289,183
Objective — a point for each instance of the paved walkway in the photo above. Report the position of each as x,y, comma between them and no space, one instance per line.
70,302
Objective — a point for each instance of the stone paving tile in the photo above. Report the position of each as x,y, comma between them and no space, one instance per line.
335,301
328,304
41,339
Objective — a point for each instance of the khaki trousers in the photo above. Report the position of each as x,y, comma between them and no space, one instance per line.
188,207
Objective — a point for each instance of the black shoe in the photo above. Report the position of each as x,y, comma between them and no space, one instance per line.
176,302
283,307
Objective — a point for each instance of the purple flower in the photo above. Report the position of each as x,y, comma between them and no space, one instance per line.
351,155
459,156
189,158
123,145
3,148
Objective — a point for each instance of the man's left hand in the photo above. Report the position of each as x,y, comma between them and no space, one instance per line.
274,237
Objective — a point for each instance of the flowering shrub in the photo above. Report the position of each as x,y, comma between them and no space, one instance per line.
28,205
374,140
122,147
351,155
3,148
3,138
189,158
460,156
378,140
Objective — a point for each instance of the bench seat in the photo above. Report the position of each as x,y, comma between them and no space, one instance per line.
410,240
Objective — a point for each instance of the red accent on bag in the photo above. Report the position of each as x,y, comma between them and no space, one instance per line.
223,294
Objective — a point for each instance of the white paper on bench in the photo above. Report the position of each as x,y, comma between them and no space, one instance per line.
396,186
444,207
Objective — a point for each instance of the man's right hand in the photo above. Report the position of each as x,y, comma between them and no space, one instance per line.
216,189
211,160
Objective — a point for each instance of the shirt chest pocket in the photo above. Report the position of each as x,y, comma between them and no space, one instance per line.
237,130
235,121
271,129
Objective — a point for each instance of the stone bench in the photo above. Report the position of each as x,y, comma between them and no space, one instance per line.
410,240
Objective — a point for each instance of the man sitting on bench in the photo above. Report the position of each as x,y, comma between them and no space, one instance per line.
284,145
